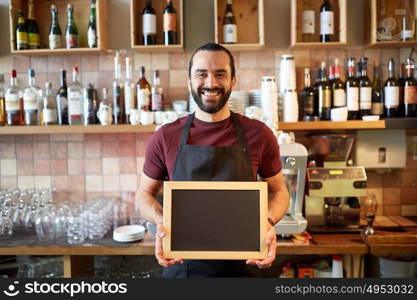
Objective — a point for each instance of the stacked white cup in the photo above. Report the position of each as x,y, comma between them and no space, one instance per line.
287,89
269,96
290,106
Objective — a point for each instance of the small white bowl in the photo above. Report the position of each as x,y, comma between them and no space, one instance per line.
370,118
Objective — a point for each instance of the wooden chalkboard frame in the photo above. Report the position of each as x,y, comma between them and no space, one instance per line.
170,186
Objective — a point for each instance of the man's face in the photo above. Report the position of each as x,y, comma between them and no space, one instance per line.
211,81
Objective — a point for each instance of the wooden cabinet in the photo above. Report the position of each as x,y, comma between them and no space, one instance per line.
340,25
250,24
42,10
136,9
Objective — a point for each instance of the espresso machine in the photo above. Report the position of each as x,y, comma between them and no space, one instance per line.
294,165
334,188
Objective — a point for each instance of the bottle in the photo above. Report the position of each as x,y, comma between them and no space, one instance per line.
32,27
21,32
407,22
401,83
229,25
75,99
157,93
149,24
326,22
62,100
391,92
170,24
92,26
308,19
332,70
71,33
365,89
377,99
144,92
316,93
12,101
118,93
325,95
104,113
338,87
49,106
89,105
410,91
55,34
352,91
31,99
307,98
2,101
130,90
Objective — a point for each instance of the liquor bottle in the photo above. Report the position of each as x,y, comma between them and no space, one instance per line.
75,99
149,24
55,34
377,99
21,32
332,70
143,91
49,106
229,25
391,92
307,98
89,105
401,83
308,19
326,22
325,95
32,27
157,93
170,24
31,100
130,90
12,101
365,89
316,93
62,100
2,101
410,91
352,91
118,93
71,33
92,26
338,87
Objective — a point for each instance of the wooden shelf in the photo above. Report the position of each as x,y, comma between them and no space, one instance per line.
43,17
243,47
330,125
68,129
390,44
333,45
158,48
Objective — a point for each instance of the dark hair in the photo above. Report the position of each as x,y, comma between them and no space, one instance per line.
213,47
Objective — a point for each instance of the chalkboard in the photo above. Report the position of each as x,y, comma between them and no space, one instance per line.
215,220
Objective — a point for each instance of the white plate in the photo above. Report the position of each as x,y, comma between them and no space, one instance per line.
370,118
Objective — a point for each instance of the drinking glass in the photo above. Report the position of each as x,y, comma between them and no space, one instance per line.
370,205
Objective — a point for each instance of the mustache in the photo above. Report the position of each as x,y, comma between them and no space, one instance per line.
203,89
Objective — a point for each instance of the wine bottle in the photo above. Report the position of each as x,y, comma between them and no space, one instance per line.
49,106
170,24
157,93
71,34
308,19
62,100
149,24
365,89
32,27
377,98
307,98
229,25
55,34
75,99
326,22
410,91
130,90
92,26
89,105
13,107
401,83
391,92
144,92
325,95
2,101
338,87
352,91
21,32
316,93
31,99
118,93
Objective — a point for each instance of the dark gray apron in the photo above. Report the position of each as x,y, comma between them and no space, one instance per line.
207,163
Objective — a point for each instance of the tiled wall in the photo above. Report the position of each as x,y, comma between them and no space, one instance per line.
93,164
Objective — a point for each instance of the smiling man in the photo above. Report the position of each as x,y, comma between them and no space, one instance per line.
214,144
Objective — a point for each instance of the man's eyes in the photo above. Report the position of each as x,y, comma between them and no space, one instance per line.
218,75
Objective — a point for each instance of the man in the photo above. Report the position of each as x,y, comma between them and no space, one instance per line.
214,144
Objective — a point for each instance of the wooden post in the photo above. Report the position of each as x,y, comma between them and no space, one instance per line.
78,265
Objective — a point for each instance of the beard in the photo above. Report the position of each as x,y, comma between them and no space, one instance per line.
224,97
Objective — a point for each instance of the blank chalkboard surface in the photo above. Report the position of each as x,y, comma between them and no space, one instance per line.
215,220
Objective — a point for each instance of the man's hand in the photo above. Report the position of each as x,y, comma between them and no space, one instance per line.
271,241
159,254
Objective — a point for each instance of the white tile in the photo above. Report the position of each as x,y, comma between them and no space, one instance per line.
160,61
6,63
143,60
111,165
139,164
25,182
43,182
128,182
409,210
8,182
58,137
75,137
178,78
94,183
8,167
111,183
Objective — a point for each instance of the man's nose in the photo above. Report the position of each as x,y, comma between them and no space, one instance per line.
211,81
